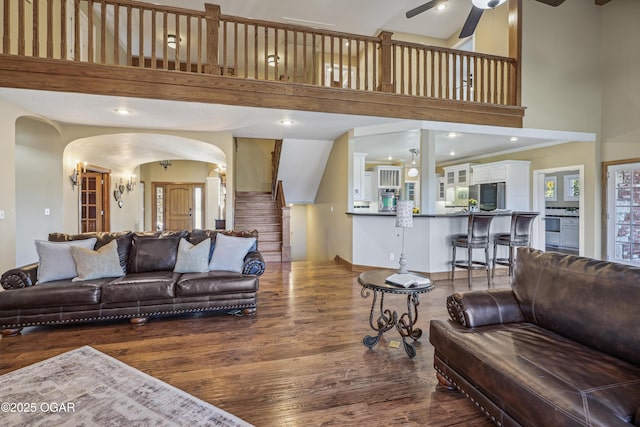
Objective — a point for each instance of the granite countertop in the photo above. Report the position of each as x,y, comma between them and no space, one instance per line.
455,214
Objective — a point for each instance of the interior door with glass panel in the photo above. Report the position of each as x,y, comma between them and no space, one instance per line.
94,208
623,213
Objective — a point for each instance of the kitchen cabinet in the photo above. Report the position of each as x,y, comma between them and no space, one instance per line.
456,185
570,232
552,238
514,173
459,175
358,176
440,190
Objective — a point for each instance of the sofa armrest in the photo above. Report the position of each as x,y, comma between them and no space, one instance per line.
480,308
20,277
253,264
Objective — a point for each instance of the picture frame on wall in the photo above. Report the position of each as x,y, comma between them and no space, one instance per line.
550,188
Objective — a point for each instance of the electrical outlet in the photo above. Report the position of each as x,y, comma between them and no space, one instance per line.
2,214
392,256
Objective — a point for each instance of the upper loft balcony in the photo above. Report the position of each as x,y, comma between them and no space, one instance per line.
137,49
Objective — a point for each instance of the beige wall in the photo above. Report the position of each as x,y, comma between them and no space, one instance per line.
299,232
561,78
328,227
254,159
621,91
39,176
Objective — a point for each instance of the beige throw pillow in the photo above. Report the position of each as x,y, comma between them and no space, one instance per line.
91,264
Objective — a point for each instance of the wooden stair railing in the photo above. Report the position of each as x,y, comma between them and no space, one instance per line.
135,34
286,222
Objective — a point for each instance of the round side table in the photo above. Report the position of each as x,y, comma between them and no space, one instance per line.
375,280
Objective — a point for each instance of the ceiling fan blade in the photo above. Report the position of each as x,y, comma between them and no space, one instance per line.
553,3
423,8
471,23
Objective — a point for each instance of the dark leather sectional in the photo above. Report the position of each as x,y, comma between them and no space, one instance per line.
561,348
150,287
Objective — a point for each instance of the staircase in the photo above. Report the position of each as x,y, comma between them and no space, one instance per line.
257,210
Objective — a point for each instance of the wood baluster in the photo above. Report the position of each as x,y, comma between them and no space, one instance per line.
176,51
141,58
314,60
21,27
333,77
165,47
154,17
129,37
116,32
349,63
49,29
246,50
255,51
358,79
366,66
295,56
103,33
35,42
224,48
89,32
235,49
6,24
323,79
199,66
341,60
63,30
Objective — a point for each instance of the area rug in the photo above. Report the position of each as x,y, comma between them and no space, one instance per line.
85,387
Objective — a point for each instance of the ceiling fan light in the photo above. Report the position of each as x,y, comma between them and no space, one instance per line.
487,4
413,172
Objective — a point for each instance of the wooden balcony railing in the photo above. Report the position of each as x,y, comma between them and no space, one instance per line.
135,34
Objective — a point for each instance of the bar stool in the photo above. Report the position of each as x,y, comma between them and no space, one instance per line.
477,237
520,235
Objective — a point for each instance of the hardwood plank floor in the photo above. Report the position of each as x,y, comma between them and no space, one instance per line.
299,361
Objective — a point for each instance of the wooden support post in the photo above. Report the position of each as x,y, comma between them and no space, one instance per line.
213,22
386,85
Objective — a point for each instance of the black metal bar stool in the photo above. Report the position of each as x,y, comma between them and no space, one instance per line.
477,237
520,235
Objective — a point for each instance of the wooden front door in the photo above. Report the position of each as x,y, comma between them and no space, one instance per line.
179,207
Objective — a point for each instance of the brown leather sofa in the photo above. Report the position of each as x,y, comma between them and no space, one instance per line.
149,288
561,348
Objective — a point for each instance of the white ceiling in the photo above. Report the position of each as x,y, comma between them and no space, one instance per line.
385,137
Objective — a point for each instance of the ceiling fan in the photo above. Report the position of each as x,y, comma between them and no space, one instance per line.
478,6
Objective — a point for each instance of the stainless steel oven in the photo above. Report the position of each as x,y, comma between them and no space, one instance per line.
552,224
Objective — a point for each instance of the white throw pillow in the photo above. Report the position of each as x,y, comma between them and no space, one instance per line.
55,260
229,252
91,264
192,258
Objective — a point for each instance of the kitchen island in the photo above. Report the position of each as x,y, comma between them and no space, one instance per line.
377,242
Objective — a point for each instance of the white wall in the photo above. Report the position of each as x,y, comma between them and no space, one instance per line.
302,163
298,226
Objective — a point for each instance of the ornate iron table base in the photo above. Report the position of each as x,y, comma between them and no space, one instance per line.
386,319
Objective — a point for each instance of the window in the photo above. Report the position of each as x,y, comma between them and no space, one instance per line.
571,188
623,213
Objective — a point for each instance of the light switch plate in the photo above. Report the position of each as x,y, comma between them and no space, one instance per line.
1,213
47,211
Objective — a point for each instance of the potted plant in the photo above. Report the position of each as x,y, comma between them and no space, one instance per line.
473,205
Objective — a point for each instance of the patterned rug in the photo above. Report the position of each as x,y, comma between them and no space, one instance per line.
85,387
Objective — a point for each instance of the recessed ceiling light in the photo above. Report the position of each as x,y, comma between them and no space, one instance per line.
441,6
389,157
452,153
122,111
452,134
513,139
286,122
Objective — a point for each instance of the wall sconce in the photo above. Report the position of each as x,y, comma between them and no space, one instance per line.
172,41
165,163
272,60
118,192
131,184
76,175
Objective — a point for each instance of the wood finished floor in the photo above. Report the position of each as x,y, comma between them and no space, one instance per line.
299,361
